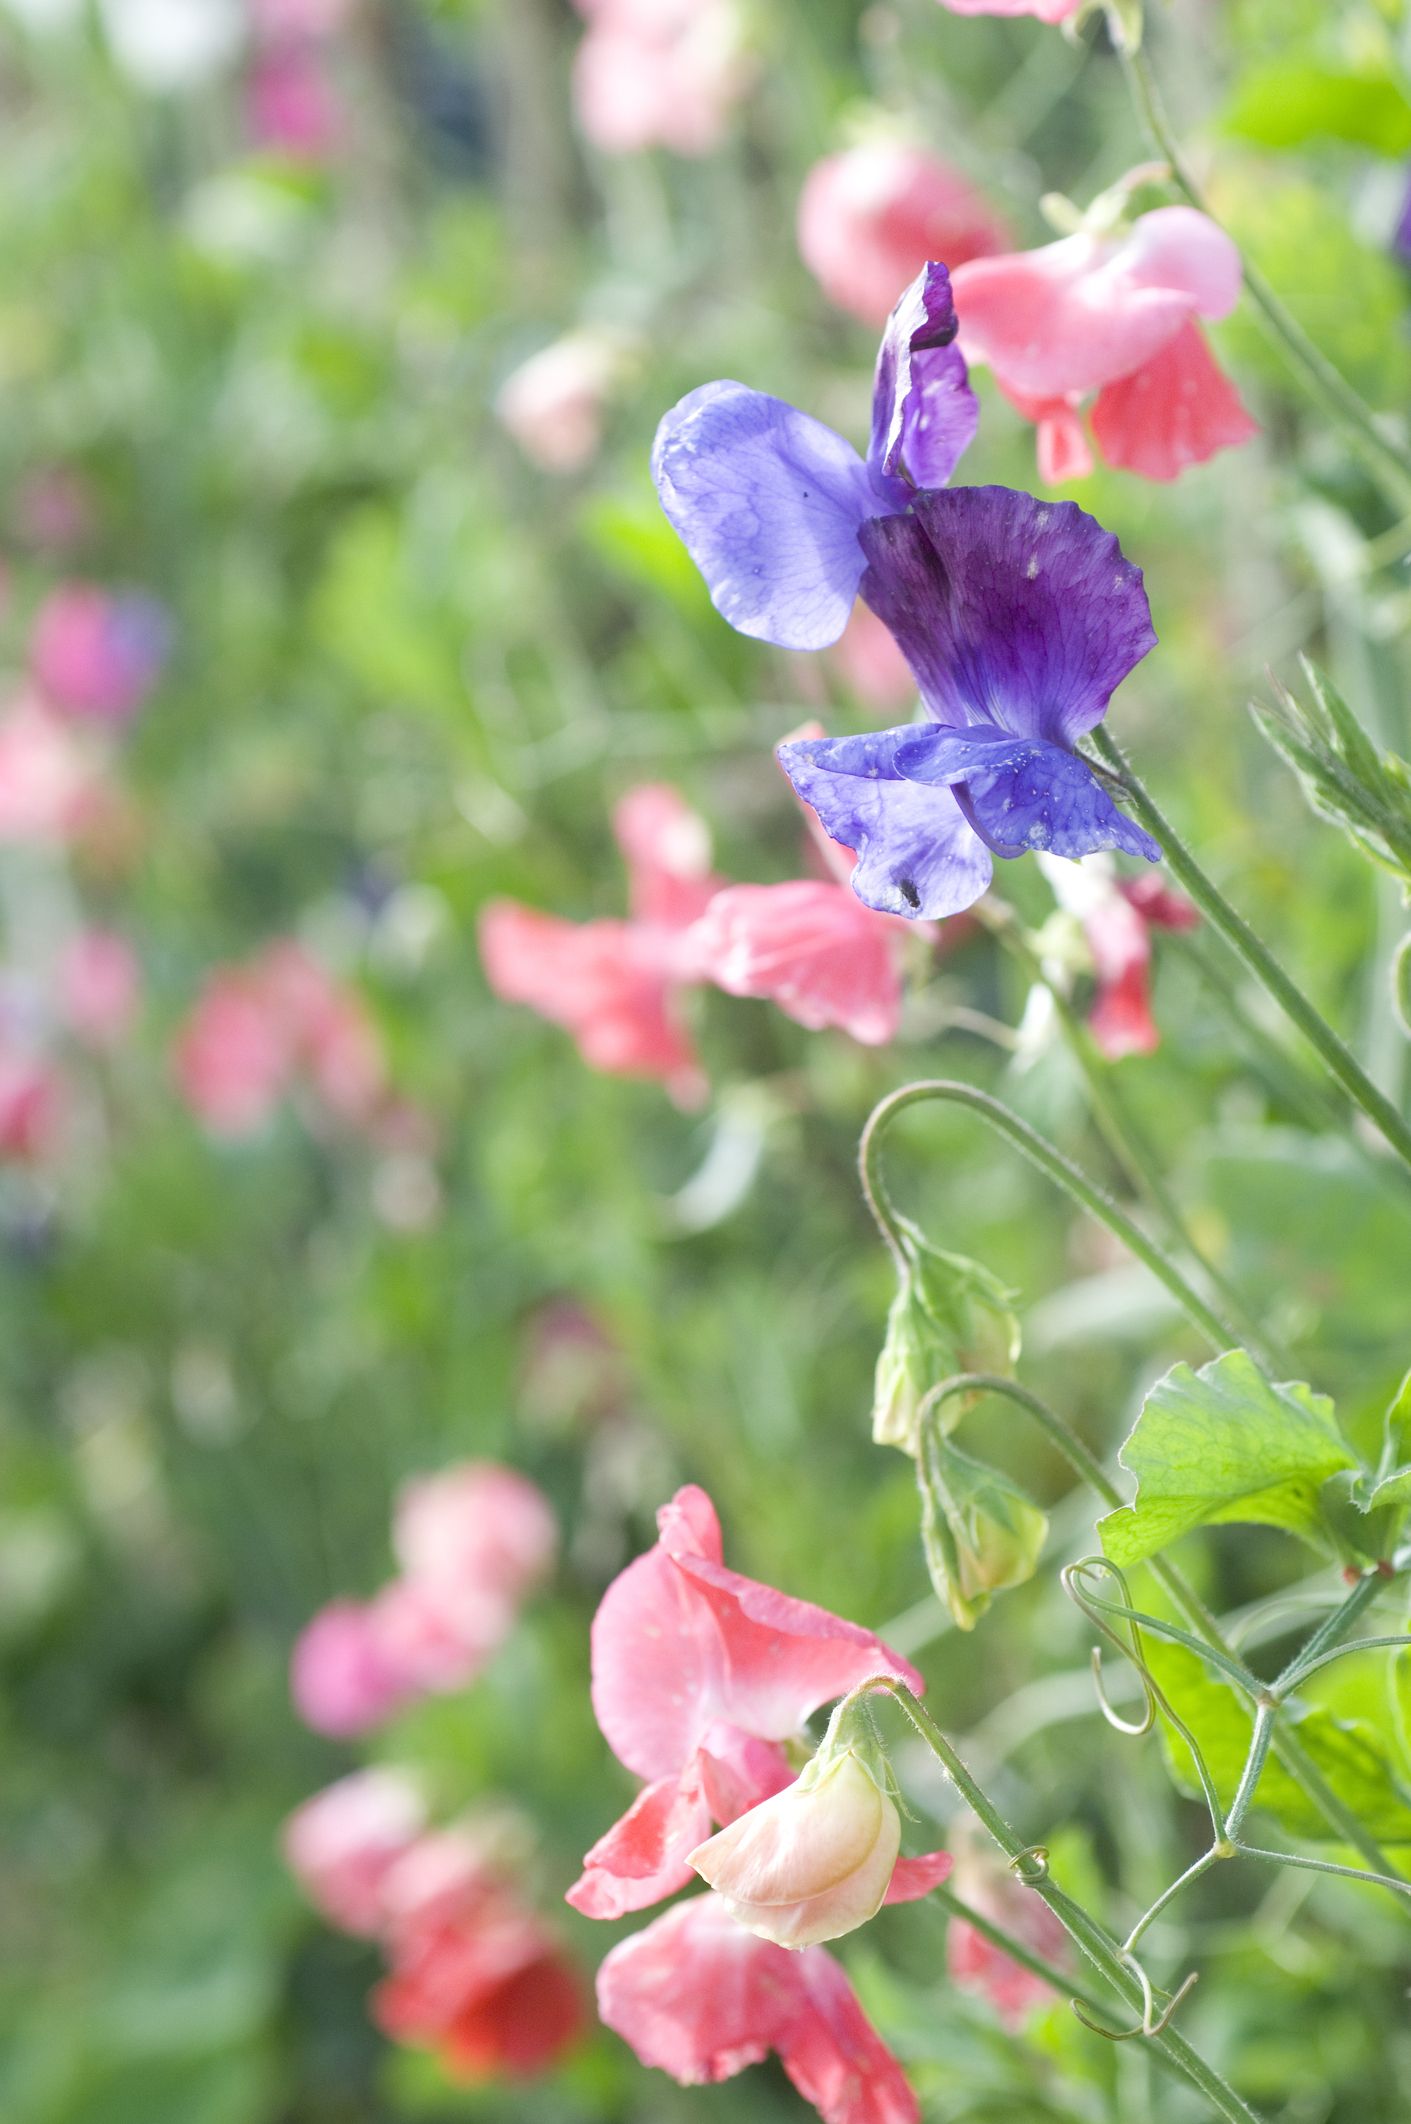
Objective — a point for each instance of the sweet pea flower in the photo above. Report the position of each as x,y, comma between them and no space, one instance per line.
232,1057
870,216
47,783
342,1844
1019,618
290,103
99,986
772,506
1118,916
975,1964
1041,10
1115,314
553,403
698,1997
32,1105
614,985
96,654
697,1675
659,73
341,1677
476,1530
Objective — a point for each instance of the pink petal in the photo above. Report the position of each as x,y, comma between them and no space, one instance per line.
1062,445
812,948
643,1857
699,1997
342,1844
835,2057
666,847
339,1677
1177,410
914,1877
870,218
477,1529
1177,247
1158,904
1062,319
739,1772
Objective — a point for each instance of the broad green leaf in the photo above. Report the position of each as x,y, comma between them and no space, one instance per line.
1222,1444
1283,105
1351,1757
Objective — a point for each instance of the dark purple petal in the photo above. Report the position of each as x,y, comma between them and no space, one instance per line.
769,504
916,856
1019,793
1011,611
924,413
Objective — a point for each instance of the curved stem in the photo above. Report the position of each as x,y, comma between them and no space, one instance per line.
1202,1865
1340,1060
1054,1166
1330,1630
1401,984
1388,460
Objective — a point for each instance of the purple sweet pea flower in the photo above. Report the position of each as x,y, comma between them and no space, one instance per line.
1019,618
772,505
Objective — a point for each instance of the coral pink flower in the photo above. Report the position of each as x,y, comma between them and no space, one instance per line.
553,403
31,1107
232,1056
477,1531
96,655
474,1976
342,1844
813,949
341,1677
614,985
1113,315
99,984
870,217
47,785
659,73
700,1998
698,1674
975,1964
870,664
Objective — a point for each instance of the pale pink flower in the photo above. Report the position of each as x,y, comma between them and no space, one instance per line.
975,1964
96,654
232,1057
47,782
1118,916
341,1678
1042,10
99,987
343,1844
871,216
698,1997
477,1530
870,664
1115,315
553,403
659,73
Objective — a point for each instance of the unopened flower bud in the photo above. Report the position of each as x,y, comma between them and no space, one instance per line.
949,1315
815,1861
981,1533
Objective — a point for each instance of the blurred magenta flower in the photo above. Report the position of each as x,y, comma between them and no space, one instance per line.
1019,618
870,216
231,1057
698,1675
700,1998
342,1679
1043,10
48,783
553,403
97,654
771,505
614,985
290,103
99,987
342,1844
33,1104
474,1975
1113,314
659,73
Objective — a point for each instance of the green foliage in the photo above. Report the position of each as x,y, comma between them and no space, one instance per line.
1346,778
980,1532
1285,105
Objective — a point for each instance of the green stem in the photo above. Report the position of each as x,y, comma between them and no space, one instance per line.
1050,1162
1202,1865
1387,460
1328,1632
1126,1141
1094,1941
1253,1769
1341,1062
1060,1980
1398,1643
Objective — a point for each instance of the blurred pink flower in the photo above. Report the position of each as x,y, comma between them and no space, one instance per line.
1044,10
975,1964
659,73
870,664
1118,916
232,1056
290,104
813,949
47,782
31,1106
96,654
478,1529
340,1677
700,1998
342,1844
1113,315
553,403
99,987
870,217
53,509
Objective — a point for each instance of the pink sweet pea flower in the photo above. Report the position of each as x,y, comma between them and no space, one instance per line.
96,654
614,985
99,987
659,73
477,1530
813,949
975,1964
342,1844
232,1057
290,104
341,1677
698,1675
1115,315
553,403
871,216
1042,10
698,1997
47,784
1118,916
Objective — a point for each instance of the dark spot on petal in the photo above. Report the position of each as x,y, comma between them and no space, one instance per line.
908,892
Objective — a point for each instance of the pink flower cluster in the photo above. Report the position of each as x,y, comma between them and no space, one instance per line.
659,73
473,1974
291,100
471,1543
808,945
256,1029
699,1677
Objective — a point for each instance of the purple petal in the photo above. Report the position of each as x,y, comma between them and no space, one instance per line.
916,855
924,413
769,504
1011,611
1019,793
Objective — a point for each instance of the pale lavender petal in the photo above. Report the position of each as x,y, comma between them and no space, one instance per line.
916,855
924,413
1011,611
1020,793
769,504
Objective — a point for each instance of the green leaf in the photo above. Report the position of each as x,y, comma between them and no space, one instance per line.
1288,103
1350,1755
1223,1444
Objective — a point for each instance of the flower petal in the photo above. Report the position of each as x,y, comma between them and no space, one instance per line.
924,413
768,504
812,948
835,2057
1177,410
917,856
643,1857
914,1877
652,1728
1011,610
1020,793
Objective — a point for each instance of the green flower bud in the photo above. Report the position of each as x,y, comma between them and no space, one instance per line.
949,1315
1346,778
980,1532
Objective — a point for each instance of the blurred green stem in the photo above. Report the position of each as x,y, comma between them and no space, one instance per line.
1340,1061
1389,461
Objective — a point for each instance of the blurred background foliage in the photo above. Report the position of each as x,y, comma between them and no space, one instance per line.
412,671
